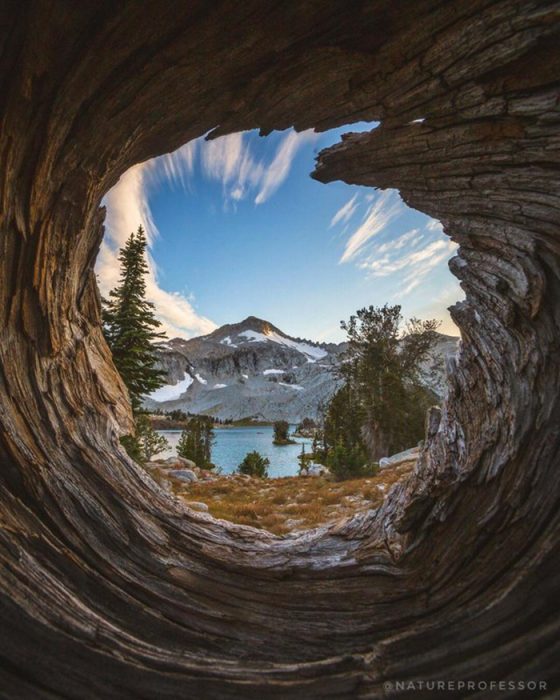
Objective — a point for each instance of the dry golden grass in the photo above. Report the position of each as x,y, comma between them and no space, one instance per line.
292,503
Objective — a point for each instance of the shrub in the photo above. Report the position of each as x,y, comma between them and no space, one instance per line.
348,462
254,464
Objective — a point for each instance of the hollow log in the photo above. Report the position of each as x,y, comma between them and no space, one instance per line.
111,588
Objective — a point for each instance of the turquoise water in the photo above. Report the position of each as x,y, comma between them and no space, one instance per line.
232,444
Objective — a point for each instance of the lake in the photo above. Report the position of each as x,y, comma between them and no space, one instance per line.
232,444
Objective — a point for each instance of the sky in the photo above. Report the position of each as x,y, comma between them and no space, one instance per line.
237,228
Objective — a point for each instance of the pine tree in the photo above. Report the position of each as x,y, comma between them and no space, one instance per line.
383,403
130,325
196,442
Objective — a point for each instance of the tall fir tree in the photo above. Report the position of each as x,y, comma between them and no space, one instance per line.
381,407
130,326
196,441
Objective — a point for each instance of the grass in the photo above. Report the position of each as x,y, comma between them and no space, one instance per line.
292,503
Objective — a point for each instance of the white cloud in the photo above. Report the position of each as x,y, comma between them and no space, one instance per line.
345,212
227,160
127,208
410,238
416,264
409,256
386,207
174,167
279,169
423,262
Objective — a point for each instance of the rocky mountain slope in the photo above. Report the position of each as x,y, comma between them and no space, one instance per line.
254,370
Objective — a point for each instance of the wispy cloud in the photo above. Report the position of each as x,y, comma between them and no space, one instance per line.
228,160
375,247
410,238
176,167
127,208
345,213
379,214
279,169
420,264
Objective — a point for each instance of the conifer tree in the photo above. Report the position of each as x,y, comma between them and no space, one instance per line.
130,325
196,442
281,429
380,409
254,464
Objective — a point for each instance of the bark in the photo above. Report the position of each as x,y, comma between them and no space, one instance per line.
111,588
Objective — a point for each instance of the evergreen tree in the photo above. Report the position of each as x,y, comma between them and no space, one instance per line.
254,464
281,428
380,409
196,442
130,325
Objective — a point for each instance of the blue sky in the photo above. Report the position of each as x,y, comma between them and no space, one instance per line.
237,228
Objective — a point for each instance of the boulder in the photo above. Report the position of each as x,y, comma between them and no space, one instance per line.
399,458
185,463
180,463
197,505
183,475
314,469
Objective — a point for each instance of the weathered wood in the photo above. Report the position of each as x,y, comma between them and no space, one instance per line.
108,587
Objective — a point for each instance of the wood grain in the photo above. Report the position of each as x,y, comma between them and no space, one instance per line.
111,589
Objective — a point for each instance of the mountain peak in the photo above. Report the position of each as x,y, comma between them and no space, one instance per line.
251,323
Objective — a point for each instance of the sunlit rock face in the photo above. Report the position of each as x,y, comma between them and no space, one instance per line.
250,369
108,588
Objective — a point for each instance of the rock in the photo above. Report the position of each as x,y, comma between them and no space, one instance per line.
399,458
183,475
197,505
186,463
177,462
314,469
270,378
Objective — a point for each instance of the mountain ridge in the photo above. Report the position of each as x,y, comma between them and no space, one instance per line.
253,369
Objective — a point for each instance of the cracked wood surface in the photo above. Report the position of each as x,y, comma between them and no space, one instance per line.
111,588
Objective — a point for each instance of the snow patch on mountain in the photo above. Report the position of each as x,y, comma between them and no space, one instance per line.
297,387
268,374
171,392
312,351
